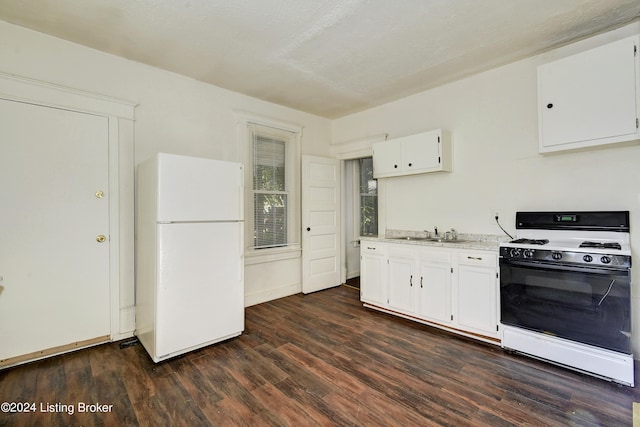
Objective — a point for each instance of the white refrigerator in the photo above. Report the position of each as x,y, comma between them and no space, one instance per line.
189,253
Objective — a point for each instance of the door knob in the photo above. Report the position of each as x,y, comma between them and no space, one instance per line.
99,194
308,228
100,238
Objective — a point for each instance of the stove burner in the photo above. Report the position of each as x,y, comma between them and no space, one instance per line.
601,245
531,241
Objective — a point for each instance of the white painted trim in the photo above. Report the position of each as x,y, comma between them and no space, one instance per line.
127,323
114,225
243,120
245,117
357,148
23,89
343,223
126,227
260,257
272,294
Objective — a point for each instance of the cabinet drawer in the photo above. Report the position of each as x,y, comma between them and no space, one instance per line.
367,246
435,254
486,259
400,250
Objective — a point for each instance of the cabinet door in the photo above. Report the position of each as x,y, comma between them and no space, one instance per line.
477,294
434,290
401,279
372,277
588,98
387,158
421,152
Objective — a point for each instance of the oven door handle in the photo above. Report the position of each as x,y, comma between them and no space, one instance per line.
565,267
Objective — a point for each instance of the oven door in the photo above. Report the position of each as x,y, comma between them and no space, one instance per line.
587,305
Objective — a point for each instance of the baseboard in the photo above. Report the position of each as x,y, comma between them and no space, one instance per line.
271,294
127,324
53,351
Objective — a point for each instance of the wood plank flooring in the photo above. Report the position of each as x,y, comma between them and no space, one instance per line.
315,360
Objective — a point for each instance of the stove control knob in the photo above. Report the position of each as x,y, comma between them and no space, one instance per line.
556,255
605,260
528,253
587,258
515,252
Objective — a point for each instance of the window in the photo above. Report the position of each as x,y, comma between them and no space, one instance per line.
272,175
270,192
368,198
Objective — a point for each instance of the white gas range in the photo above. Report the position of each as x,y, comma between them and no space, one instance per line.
565,286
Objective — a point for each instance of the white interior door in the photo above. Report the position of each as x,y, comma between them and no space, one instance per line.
320,223
55,204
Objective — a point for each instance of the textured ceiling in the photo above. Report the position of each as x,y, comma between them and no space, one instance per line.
329,58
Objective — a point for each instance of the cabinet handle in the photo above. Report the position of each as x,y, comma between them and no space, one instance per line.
411,280
395,166
420,281
549,105
369,247
409,164
474,257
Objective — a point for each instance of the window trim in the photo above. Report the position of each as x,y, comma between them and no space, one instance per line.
244,122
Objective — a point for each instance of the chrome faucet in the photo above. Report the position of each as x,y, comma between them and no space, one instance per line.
435,233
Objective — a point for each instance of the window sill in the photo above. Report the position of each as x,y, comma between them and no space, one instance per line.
260,256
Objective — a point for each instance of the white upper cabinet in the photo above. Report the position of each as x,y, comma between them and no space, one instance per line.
419,153
590,98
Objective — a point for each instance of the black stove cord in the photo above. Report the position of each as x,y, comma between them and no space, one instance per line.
505,231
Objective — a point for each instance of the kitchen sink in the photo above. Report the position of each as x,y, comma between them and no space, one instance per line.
411,238
447,241
428,239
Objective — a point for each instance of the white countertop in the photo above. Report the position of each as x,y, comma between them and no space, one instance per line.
486,242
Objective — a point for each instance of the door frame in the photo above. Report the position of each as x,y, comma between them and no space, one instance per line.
353,150
120,116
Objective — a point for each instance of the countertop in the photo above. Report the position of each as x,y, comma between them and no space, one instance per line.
485,242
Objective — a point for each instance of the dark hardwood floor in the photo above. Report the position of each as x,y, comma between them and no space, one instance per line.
318,359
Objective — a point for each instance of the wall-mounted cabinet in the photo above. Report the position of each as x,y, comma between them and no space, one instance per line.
420,153
590,98
449,288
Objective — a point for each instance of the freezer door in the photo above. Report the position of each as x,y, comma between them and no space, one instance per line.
195,189
200,295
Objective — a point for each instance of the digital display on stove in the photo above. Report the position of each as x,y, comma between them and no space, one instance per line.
566,218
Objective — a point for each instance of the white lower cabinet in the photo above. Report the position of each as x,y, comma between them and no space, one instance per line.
400,268
453,289
372,271
477,293
434,287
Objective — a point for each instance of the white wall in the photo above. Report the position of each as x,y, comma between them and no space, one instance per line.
175,114
492,118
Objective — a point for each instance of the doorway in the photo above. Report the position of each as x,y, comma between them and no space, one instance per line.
360,213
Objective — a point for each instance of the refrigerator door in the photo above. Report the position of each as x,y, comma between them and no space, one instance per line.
195,189
200,290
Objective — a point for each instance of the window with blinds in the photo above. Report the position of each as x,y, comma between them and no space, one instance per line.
270,191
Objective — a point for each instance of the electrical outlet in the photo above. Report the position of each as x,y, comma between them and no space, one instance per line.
495,214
